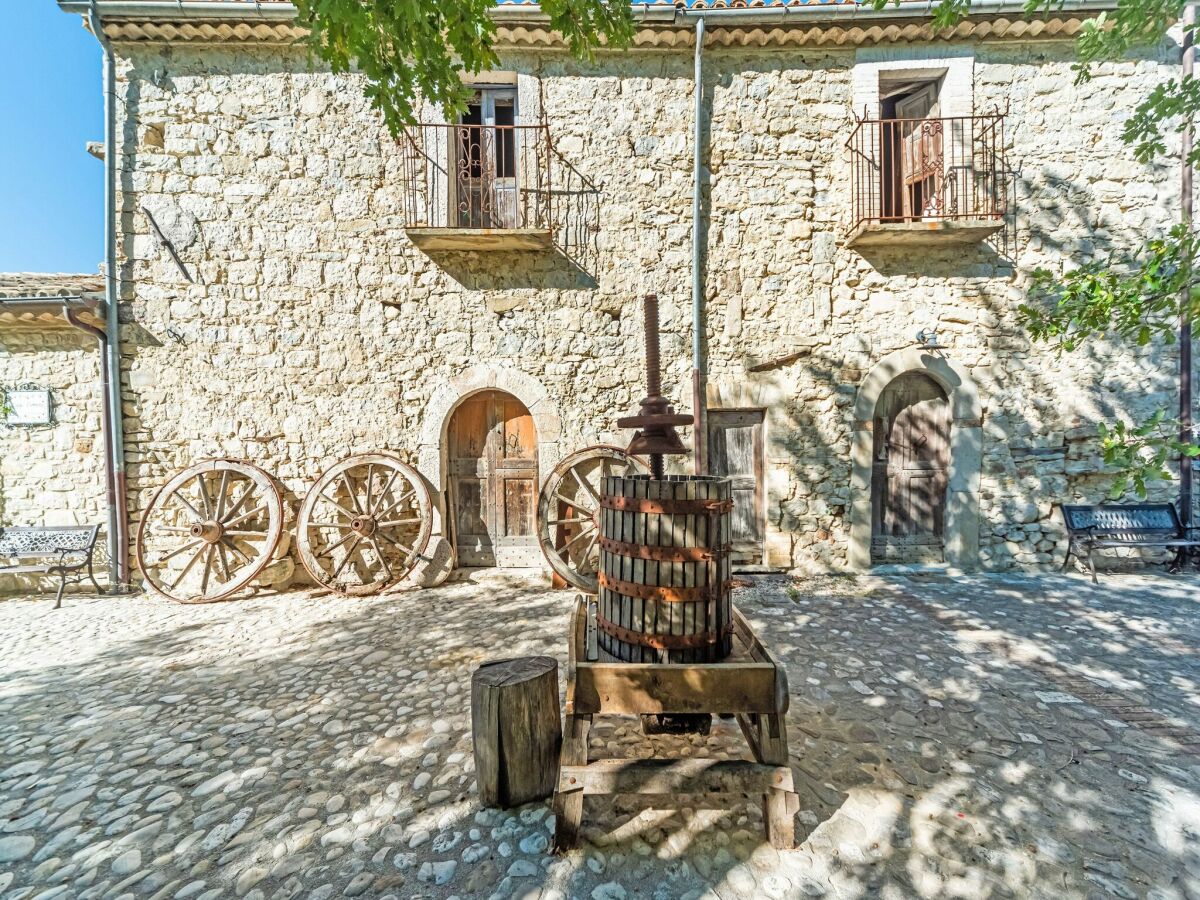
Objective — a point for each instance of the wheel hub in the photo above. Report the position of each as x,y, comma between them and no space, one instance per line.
363,525
209,532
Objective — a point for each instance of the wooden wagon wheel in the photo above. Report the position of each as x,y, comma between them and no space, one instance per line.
569,510
209,531
364,524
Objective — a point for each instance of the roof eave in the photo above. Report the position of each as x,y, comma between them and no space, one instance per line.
529,13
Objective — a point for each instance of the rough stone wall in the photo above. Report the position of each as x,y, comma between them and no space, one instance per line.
53,475
315,329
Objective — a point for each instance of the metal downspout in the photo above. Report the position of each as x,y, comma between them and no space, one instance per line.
1185,318
699,375
118,537
110,477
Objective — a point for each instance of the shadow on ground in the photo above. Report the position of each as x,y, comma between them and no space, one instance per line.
296,745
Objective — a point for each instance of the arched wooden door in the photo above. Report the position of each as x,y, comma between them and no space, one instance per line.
492,450
910,471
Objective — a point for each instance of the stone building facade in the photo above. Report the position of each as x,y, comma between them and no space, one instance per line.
53,473
314,327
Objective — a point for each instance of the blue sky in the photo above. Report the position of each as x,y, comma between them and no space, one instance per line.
51,190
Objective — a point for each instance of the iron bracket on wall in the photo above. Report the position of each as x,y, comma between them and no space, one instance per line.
165,242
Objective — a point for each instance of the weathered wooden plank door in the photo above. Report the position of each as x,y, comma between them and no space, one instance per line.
922,166
910,470
492,449
735,449
484,190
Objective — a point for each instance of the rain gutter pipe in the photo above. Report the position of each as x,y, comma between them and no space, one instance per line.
118,535
699,375
115,517
1186,435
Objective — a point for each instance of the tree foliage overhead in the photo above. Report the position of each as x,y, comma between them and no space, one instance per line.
411,49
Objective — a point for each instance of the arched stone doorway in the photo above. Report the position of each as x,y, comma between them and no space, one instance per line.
492,468
960,515
432,444
910,466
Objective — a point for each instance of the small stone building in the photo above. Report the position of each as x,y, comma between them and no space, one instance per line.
875,193
51,448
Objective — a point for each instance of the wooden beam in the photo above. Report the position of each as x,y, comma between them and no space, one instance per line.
486,239
639,688
674,776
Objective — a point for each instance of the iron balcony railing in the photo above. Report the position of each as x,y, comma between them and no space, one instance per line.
478,176
915,170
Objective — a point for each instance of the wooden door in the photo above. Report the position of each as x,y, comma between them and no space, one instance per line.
911,465
485,186
920,154
735,449
492,449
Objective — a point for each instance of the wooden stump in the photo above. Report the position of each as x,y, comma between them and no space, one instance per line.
516,729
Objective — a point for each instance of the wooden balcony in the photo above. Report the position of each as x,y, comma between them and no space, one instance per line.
478,187
926,182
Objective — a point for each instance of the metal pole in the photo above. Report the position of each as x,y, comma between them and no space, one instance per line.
699,409
1185,318
118,542
110,477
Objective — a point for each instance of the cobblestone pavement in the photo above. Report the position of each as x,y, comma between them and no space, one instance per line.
977,737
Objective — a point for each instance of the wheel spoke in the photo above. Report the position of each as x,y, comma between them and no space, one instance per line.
191,562
244,516
569,520
396,522
223,559
176,495
329,550
235,548
395,504
207,570
367,499
586,487
178,550
349,553
347,513
387,487
170,529
208,509
233,510
567,546
379,553
408,550
574,503
337,525
587,553
221,494
351,491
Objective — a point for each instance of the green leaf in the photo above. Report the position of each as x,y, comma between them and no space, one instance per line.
411,51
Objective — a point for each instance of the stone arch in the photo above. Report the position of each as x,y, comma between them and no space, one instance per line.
966,454
431,445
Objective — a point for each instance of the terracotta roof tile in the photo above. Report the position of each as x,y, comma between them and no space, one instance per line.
37,284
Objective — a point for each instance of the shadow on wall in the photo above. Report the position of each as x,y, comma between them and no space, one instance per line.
1040,414
574,204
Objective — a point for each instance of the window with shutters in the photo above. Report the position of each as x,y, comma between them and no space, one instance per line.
736,450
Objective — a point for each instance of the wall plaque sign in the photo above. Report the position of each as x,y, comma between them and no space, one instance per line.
29,405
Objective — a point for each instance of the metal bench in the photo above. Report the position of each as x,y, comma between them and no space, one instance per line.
63,551
1091,528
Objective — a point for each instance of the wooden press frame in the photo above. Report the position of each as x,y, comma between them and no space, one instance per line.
756,692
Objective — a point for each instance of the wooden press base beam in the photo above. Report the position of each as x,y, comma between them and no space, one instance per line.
674,776
755,691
